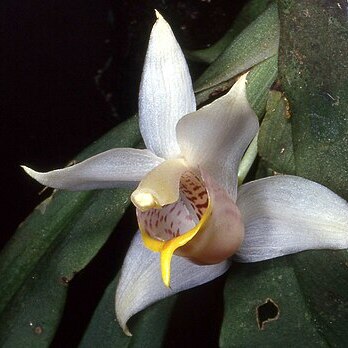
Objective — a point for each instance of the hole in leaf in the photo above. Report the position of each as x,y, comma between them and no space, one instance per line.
266,312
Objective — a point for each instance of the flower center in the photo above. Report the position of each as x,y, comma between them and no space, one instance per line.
145,201
166,229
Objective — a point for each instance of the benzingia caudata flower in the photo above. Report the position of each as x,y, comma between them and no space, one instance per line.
193,218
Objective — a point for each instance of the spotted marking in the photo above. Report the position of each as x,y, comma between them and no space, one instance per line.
176,219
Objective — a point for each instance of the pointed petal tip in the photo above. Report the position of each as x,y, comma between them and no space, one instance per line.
126,331
243,77
31,172
123,325
41,177
158,15
25,168
160,23
240,84
122,321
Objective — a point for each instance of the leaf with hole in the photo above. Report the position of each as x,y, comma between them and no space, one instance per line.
304,134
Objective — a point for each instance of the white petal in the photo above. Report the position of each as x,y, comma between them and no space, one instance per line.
113,168
141,284
216,136
166,92
287,214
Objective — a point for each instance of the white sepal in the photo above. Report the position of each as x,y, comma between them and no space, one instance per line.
166,92
121,167
141,284
287,214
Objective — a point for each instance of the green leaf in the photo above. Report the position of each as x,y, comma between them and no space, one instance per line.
149,326
256,43
250,286
248,14
312,309
304,134
260,79
323,278
275,136
57,240
313,66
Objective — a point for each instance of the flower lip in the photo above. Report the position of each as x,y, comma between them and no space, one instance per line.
223,232
168,248
167,229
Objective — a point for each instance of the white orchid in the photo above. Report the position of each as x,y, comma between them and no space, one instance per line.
187,201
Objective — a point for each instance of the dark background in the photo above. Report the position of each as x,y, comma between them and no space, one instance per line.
55,99
51,54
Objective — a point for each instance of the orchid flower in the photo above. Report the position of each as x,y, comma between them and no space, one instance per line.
192,216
